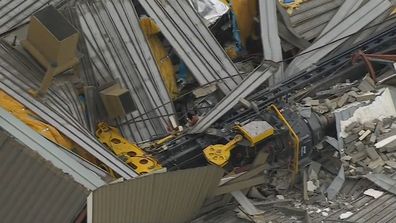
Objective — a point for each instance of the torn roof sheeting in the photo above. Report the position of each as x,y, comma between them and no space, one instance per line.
119,51
15,12
194,42
325,44
17,79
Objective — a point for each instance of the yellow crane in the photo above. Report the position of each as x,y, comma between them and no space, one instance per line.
129,152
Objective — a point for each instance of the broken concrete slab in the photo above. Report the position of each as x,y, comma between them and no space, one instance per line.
375,164
373,193
336,184
367,84
372,153
345,215
342,100
358,156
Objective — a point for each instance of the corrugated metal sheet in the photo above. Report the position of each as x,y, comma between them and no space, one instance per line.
50,151
18,76
312,17
194,42
324,45
15,12
173,197
33,190
118,49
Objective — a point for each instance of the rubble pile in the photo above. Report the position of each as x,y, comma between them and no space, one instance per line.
370,147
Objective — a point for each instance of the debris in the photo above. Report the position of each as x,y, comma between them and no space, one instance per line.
280,197
346,215
373,193
367,84
246,204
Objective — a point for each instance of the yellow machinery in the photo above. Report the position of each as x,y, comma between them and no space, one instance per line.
133,155
220,154
161,56
254,132
26,116
296,140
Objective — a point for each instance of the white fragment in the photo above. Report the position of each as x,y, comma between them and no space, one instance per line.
385,141
346,215
280,197
373,193
325,214
364,135
327,209
311,186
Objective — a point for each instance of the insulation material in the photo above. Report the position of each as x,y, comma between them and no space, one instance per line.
211,10
164,63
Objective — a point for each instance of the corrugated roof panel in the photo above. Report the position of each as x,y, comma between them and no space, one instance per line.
15,12
19,76
172,197
193,42
119,50
33,190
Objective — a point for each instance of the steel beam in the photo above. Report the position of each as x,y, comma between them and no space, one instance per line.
248,85
269,36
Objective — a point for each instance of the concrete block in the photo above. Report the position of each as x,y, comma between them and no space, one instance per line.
321,109
350,138
359,146
391,163
383,157
376,163
373,138
366,97
367,84
369,126
342,100
372,153
351,126
361,155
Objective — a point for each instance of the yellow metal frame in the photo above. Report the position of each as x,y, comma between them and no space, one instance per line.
130,153
296,140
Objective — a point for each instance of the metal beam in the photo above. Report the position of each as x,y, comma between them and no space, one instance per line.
248,85
325,44
193,42
269,36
